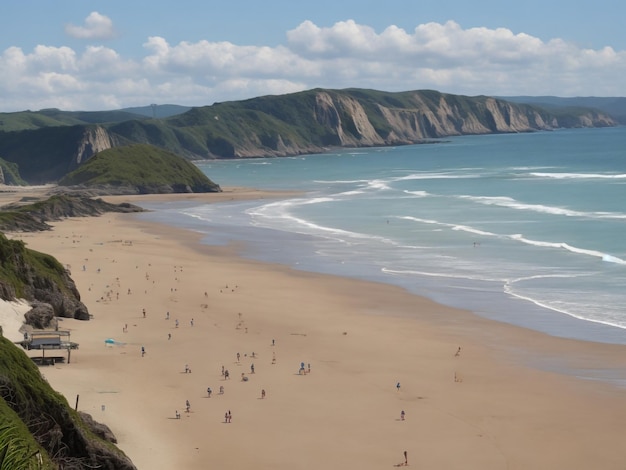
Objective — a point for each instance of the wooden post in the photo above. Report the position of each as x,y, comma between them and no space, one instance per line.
69,353
76,406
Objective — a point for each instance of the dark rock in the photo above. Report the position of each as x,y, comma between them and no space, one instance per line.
99,429
40,316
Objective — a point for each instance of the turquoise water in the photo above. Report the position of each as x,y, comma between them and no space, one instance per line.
524,228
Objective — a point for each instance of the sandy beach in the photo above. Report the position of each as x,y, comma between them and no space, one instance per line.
369,351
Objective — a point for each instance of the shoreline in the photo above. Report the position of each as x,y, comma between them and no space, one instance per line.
486,408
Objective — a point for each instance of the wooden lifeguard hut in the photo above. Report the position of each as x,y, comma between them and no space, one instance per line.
49,340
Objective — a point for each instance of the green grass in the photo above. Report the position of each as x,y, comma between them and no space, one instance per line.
143,166
23,396
18,262
30,411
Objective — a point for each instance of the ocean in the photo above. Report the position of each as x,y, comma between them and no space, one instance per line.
528,229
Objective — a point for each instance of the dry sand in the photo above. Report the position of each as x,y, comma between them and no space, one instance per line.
483,409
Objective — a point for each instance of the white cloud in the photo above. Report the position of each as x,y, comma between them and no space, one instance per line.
437,56
96,26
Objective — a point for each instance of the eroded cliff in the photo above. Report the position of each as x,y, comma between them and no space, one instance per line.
306,122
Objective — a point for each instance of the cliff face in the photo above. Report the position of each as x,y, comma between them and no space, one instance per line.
355,118
424,121
94,140
30,275
45,155
307,122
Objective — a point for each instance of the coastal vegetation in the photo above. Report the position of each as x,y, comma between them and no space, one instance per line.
39,430
139,169
33,276
48,144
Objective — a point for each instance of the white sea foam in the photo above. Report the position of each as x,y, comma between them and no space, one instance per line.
456,227
565,246
520,238
436,176
378,184
567,310
282,210
508,202
417,193
580,175
352,193
196,215
447,275
465,228
341,181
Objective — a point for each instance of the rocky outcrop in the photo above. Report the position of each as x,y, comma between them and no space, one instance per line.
99,429
94,140
41,316
35,276
33,217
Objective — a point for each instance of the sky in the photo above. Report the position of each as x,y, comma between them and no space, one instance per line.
110,54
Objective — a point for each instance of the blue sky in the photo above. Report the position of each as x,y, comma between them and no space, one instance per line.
93,54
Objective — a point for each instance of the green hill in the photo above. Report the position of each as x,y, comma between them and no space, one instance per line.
141,169
52,143
615,106
52,117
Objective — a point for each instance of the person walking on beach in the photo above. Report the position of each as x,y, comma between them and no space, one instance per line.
402,415
187,406
398,386
263,393
221,390
208,391
252,368
143,351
